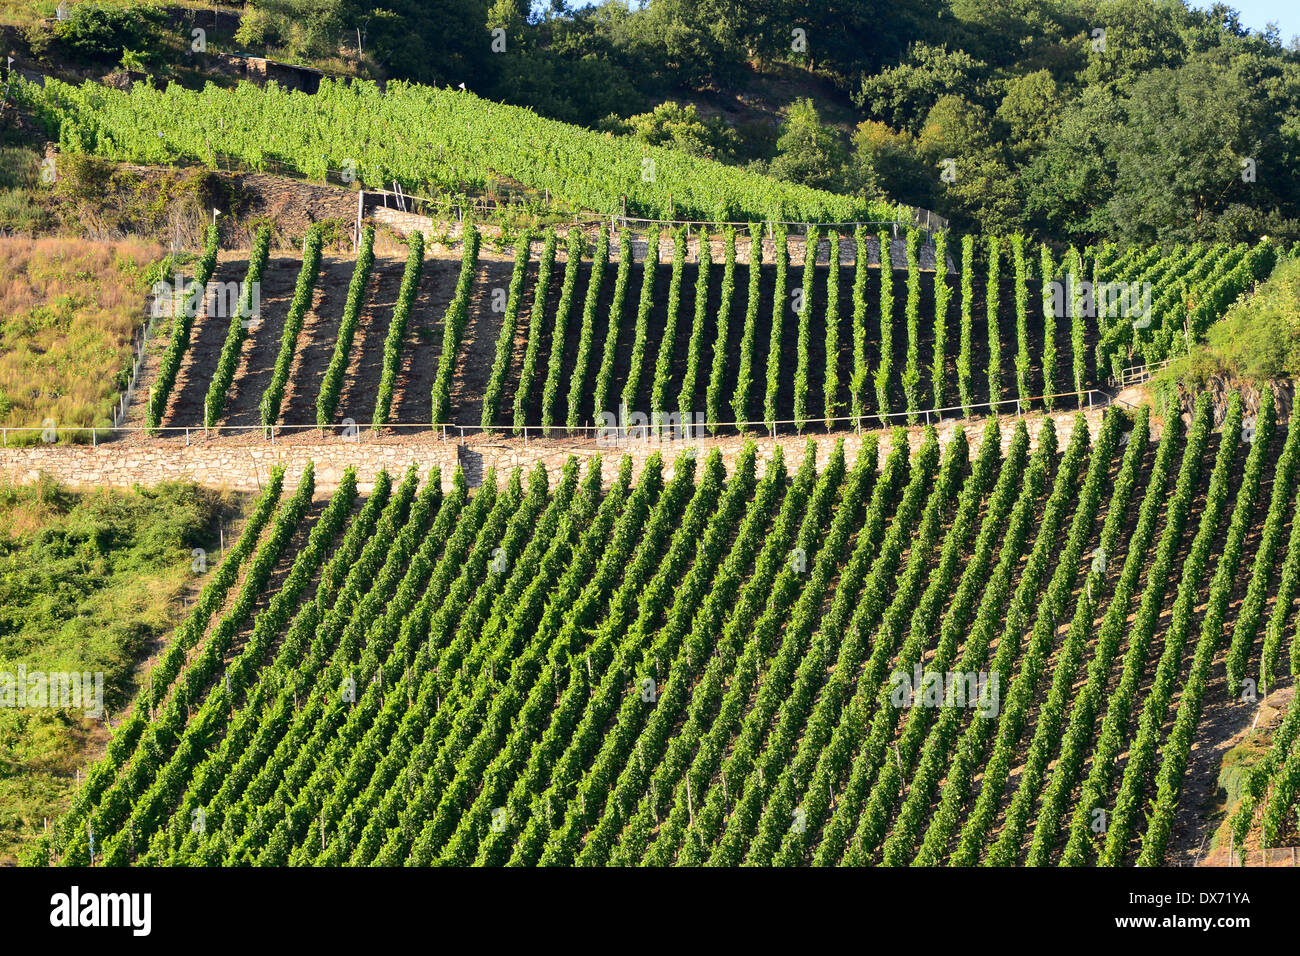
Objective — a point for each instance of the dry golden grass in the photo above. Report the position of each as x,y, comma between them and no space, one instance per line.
69,309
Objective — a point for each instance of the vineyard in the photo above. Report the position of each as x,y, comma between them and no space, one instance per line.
1192,288
735,333
961,654
1023,643
430,140
642,435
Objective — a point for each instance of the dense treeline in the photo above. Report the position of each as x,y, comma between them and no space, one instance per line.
1042,109
1002,116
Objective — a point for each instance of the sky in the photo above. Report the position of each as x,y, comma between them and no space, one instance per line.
1257,14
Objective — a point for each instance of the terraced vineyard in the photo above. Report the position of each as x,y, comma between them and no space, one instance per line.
1192,288
430,140
939,654
573,326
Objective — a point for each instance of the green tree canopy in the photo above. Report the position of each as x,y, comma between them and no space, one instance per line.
808,151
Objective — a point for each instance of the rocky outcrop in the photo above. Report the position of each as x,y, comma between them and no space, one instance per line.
1221,387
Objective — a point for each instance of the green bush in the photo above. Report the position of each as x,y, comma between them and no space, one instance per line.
119,561
101,32
1256,341
1259,338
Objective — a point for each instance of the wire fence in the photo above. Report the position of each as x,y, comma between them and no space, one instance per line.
769,225
632,428
455,209
698,231
1269,856
1136,374
139,347
500,196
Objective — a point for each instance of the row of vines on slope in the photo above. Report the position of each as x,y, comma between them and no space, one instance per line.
819,665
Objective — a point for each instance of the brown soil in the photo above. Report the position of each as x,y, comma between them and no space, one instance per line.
366,359
478,344
412,401
316,341
257,359
413,395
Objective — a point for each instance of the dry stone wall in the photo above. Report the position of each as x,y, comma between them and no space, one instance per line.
404,223
240,464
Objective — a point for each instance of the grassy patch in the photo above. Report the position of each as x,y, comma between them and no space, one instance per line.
1233,770
1257,340
24,208
69,309
88,582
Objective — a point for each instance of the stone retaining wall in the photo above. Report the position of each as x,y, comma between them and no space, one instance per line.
240,464
404,223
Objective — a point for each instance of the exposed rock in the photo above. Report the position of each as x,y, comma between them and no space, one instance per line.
1221,387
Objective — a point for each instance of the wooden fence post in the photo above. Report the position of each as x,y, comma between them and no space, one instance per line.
361,211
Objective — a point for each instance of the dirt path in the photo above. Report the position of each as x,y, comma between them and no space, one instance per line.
316,341
257,360
206,339
366,360
1202,813
478,345
413,394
